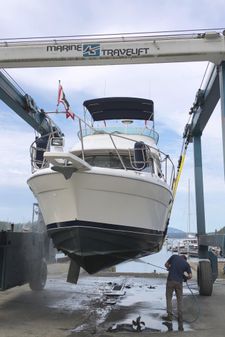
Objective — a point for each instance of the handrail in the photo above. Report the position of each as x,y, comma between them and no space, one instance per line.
151,152
37,152
120,130
124,36
120,158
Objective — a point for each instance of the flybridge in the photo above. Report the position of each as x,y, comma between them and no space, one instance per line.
116,49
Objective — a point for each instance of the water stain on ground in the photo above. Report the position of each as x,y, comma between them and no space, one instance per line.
144,298
87,308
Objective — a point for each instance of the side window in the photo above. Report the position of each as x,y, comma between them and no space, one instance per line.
150,166
101,161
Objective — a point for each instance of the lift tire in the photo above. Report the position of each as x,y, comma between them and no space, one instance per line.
39,277
204,278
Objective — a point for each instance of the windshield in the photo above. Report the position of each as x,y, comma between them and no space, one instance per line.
113,161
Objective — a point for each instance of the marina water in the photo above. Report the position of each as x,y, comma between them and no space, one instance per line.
148,264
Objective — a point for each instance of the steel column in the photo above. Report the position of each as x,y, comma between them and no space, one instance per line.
21,104
199,194
222,99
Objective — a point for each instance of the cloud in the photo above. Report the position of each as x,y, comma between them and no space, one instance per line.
54,17
15,163
171,86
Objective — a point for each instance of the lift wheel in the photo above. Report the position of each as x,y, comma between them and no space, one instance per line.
39,276
204,278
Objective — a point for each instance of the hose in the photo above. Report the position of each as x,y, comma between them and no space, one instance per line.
196,302
189,288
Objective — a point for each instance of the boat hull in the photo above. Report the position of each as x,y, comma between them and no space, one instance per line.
96,246
101,218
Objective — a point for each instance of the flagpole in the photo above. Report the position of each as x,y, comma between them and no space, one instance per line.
55,112
62,99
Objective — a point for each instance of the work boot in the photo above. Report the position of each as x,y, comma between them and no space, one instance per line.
180,328
169,325
167,317
180,325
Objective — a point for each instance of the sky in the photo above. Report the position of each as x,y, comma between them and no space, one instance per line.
172,87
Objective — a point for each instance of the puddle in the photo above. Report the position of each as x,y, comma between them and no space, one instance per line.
103,310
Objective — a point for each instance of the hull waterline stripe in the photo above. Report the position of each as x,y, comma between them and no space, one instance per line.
102,226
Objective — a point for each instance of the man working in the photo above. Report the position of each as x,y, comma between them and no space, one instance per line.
177,265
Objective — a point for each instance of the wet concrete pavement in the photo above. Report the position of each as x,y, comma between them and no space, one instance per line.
65,310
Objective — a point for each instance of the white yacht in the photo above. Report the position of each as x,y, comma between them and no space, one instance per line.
107,200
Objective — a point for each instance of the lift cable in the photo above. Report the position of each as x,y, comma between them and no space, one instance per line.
186,141
204,74
14,81
187,138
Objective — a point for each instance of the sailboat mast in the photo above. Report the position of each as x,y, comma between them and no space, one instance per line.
189,208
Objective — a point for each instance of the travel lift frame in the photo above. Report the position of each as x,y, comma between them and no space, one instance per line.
139,48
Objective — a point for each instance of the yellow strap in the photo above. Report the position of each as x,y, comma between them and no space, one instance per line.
177,179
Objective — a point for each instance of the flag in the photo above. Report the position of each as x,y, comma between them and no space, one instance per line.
62,99
69,114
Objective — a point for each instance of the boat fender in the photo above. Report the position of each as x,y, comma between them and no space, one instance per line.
140,155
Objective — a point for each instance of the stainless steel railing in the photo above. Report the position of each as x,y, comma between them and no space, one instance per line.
147,158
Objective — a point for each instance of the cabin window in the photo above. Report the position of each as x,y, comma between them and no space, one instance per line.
113,161
109,161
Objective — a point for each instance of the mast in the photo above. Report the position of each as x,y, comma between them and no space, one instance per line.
189,208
